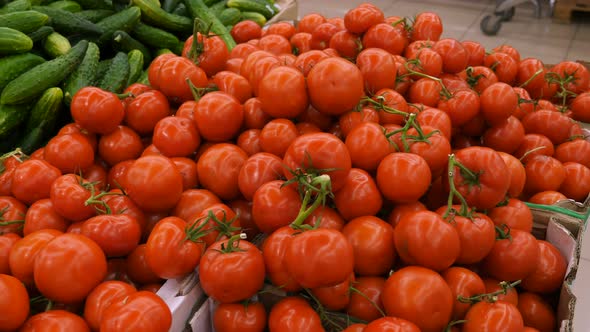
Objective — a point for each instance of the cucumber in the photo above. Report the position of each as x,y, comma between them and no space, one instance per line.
25,21
122,41
13,41
218,8
163,51
69,6
95,15
14,65
42,119
96,4
154,37
16,6
143,78
169,5
157,16
254,16
101,69
181,10
84,74
258,6
124,20
136,62
41,33
230,16
56,45
12,116
46,75
68,23
115,78
198,10
210,3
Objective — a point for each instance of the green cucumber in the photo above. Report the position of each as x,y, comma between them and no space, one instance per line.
41,33
69,6
124,20
198,10
84,74
42,119
56,45
169,5
259,6
14,65
12,116
46,75
163,51
143,78
115,78
157,16
101,69
122,41
95,15
16,6
154,37
136,62
95,4
181,10
210,3
68,23
230,16
25,21
254,16
218,8
13,41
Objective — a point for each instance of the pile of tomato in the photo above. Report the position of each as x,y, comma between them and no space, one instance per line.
370,170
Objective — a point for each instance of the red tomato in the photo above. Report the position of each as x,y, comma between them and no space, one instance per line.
120,145
368,145
498,102
399,211
138,268
505,66
293,314
69,194
188,169
335,86
505,137
249,141
420,296
78,260
378,68
371,240
536,312
476,52
427,62
427,26
391,324
217,222
497,316
462,107
515,214
479,77
236,317
233,84
7,241
173,76
425,91
346,43
300,43
144,111
310,21
70,153
140,311
455,57
434,149
274,248
246,30
361,18
219,167
219,116
256,171
543,173
493,285
533,145
14,304
97,110
274,44
386,37
359,196
31,180
23,253
192,202
365,300
210,54
355,328
335,297
517,174
403,170
322,34
580,107
55,320
577,181
101,298
436,118
116,234
549,271
349,120
579,75
465,283
513,258
176,137
547,197
573,151
276,84
154,183
224,260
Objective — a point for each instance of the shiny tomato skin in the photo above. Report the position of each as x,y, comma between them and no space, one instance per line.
173,76
293,314
55,321
580,107
462,107
312,267
140,311
276,84
154,183
144,111
96,110
192,202
245,30
401,210
274,248
68,197
219,168
577,181
505,137
476,52
427,26
391,324
236,317
378,67
257,170
536,312
358,327
543,173
498,316
7,241
505,66
176,137
517,174
534,145
498,103
217,222
403,170
419,295
462,282
361,18
554,125
365,303
138,268
548,197
14,304
455,57
217,271
359,196
574,151
31,180
77,259
23,253
70,153
335,297
368,145
101,298
513,259
515,215
371,240
493,285
549,271
116,234
218,116
233,84
277,135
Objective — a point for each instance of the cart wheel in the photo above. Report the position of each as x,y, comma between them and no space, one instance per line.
508,14
490,25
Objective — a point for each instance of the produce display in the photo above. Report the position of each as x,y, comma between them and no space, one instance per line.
376,175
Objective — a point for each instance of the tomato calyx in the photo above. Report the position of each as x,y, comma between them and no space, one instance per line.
95,199
378,103
489,297
17,154
316,188
444,92
406,139
332,321
470,178
223,226
196,231
198,93
232,244
503,232
563,92
471,79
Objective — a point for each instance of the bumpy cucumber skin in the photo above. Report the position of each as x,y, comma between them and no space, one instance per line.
136,62
84,74
56,45
95,15
12,116
122,41
13,41
25,21
13,66
116,77
42,119
159,17
198,10
154,37
124,20
68,23
16,6
70,6
41,33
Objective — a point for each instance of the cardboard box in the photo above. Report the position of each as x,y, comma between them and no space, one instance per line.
183,296
288,12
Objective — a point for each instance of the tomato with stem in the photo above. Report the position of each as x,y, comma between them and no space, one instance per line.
501,291
334,298
208,52
493,316
365,298
514,214
70,196
463,283
504,66
217,222
101,298
533,145
514,255
177,76
325,217
462,107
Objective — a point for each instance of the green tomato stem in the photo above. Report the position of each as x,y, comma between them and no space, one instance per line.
489,297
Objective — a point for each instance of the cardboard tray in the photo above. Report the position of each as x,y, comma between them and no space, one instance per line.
288,12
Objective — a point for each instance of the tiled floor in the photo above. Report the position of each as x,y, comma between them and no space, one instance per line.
540,38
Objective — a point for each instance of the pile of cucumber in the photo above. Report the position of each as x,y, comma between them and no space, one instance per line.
51,49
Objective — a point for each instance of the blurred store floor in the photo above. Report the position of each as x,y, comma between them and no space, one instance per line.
540,38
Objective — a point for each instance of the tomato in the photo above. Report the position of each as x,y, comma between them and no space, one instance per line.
580,76
176,137
543,173
371,240
505,137
245,30
517,174
505,66
14,304
101,298
525,103
138,268
435,149
361,18
140,311
219,116
549,271
548,197
574,151
476,52
349,120
498,102
403,170
479,78
71,128
427,26
322,34
23,253
188,169
322,152
192,202
78,261
241,51
217,222
412,240
116,234
70,153
256,171
292,314
97,110
276,84
275,44
117,270
359,196
311,267
555,125
385,324
415,46
144,111
187,110
249,141
462,107
487,185
493,285
31,180
497,316
368,145
69,194
437,119
346,43
465,283
576,184
233,84
55,320
536,312
365,300
420,296
236,317
219,167
580,107
326,217
425,91
120,145
513,258
515,214
275,205
399,211
335,86
455,57
309,22
533,145
274,248
527,68
358,327
7,241
427,62
169,254
335,297
300,43
173,76
210,55
378,68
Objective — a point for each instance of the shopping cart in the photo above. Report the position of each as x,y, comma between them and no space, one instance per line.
504,11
